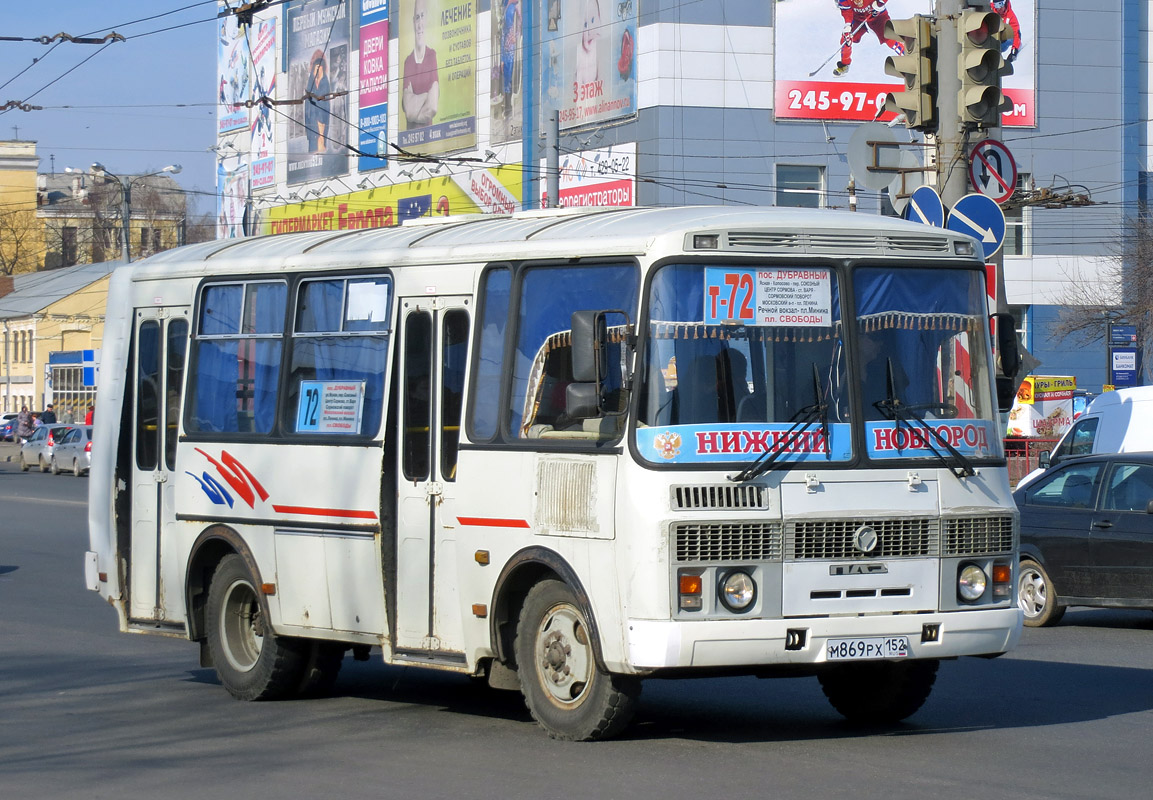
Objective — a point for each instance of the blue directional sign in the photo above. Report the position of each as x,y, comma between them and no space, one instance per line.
980,217
925,206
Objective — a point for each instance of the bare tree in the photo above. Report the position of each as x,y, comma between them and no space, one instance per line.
1122,293
21,245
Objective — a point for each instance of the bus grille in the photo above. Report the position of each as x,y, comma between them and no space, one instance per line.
896,538
692,498
727,541
971,535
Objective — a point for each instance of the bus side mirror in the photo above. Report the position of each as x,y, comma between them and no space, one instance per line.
590,357
1006,392
1007,348
582,400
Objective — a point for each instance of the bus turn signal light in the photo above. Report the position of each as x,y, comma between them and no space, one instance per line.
690,591
1002,580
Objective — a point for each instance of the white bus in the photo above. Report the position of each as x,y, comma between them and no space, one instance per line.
565,451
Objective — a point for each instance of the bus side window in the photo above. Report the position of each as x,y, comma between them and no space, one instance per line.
454,354
484,415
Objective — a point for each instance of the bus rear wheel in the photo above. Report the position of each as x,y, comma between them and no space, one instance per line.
252,662
564,689
882,692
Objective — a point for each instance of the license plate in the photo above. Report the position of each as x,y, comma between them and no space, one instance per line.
868,648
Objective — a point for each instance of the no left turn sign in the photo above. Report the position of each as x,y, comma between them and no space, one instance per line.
992,170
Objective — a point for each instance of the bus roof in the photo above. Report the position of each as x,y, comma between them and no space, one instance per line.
571,231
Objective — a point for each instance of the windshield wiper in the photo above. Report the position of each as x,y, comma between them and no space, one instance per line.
893,408
818,411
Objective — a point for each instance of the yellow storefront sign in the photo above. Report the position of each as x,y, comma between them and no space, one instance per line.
495,190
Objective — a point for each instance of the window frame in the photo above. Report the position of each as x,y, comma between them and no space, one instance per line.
780,191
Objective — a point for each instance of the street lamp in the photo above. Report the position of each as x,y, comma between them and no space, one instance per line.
126,201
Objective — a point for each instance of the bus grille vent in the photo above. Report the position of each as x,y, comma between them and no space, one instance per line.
724,498
917,244
727,541
896,538
833,242
972,535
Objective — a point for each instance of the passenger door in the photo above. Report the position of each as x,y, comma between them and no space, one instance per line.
1122,537
1058,519
433,347
160,344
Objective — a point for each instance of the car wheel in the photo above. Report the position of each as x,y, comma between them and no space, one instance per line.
23,464
76,468
43,463
53,467
1037,596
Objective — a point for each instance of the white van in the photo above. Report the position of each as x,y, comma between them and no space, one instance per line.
1115,422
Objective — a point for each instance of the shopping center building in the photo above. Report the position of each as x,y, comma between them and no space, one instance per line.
344,115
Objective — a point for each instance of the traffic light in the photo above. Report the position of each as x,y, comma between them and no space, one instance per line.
918,68
980,66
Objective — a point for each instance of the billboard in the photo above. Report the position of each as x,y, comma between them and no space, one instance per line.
493,190
1044,407
372,111
232,197
602,177
317,36
506,116
262,157
829,59
232,76
437,43
589,59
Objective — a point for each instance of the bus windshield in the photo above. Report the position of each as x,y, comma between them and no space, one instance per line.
737,361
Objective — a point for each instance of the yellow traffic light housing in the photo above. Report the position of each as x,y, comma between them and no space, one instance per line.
980,66
917,68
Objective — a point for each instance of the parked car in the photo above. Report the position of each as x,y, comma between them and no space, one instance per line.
37,451
1115,422
8,427
73,451
1087,536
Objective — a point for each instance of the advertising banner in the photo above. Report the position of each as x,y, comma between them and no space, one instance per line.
495,190
437,41
232,197
829,58
232,76
373,108
261,153
589,60
507,46
317,41
1044,407
602,177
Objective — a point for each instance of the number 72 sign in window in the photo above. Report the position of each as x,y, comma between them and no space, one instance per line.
330,407
779,296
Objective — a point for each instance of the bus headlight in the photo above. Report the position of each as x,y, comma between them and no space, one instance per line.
971,583
738,591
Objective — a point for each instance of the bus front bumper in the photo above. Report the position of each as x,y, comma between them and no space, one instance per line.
658,644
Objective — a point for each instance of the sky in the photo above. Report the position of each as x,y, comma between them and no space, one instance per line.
124,97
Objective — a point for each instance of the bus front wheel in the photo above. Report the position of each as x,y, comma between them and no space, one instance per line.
252,662
564,689
882,692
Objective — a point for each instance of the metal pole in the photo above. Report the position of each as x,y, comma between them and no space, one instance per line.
125,218
552,158
953,174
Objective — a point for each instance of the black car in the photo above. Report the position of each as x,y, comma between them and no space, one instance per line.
1087,536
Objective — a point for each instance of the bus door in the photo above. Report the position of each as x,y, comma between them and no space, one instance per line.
160,345
433,348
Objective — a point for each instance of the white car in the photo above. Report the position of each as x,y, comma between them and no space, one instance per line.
73,451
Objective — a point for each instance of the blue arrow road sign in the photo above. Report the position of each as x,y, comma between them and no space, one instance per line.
925,206
980,217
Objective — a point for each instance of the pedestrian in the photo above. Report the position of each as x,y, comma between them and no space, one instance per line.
24,426
36,421
68,416
89,415
49,416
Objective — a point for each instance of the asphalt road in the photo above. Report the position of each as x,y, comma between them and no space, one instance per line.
88,712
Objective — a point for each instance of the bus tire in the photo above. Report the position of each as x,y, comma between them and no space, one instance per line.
564,689
321,668
1037,596
883,692
252,662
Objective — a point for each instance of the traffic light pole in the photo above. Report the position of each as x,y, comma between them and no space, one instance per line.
952,167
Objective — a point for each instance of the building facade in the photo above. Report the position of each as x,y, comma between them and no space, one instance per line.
339,115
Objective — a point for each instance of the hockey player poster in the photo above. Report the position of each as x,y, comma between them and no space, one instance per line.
830,58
